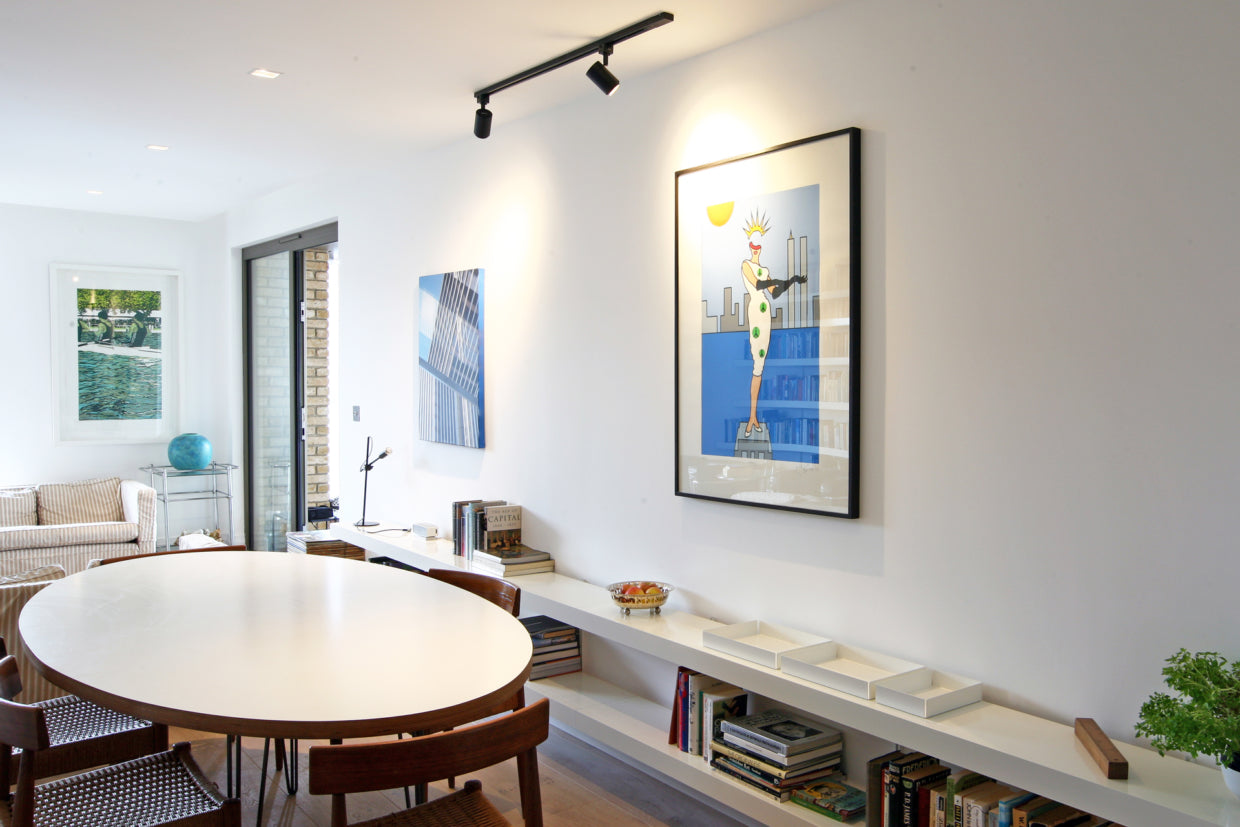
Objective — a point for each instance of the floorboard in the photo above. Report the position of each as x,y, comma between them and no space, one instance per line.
581,785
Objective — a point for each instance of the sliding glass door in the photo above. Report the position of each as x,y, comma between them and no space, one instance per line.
286,382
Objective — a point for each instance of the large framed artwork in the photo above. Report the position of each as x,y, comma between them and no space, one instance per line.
115,369
767,278
450,363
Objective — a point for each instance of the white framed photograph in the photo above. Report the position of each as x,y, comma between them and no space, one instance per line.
115,354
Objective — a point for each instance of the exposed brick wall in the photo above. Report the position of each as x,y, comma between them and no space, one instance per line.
316,264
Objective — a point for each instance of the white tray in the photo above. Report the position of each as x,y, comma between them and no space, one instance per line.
757,641
927,693
845,668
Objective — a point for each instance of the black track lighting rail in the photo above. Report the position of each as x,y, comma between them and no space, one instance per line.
594,47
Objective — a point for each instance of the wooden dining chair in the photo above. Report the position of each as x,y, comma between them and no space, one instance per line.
108,560
500,592
164,788
81,734
338,770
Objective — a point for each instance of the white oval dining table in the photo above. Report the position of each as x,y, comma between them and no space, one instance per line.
272,644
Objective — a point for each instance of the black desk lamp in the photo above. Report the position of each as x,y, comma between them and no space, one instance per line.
365,469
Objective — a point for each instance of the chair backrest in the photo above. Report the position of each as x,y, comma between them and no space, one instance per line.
10,677
500,592
353,768
22,725
108,560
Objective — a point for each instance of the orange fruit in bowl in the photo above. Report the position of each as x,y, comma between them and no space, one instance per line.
633,588
654,590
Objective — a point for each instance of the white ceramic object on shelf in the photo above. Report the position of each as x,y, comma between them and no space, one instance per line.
926,692
758,641
845,668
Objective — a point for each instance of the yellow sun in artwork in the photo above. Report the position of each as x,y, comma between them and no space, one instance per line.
720,213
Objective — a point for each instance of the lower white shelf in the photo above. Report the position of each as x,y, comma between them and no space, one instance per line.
1024,750
637,728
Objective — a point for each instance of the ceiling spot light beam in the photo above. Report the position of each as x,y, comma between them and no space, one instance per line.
598,72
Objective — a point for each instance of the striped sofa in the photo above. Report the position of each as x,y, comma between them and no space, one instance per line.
68,524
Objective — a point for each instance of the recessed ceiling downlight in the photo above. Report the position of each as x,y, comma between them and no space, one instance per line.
265,73
157,147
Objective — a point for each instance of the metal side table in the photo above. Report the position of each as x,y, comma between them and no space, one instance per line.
216,485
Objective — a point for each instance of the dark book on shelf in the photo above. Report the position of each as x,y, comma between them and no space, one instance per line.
912,804
832,797
519,554
893,771
771,781
771,775
874,787
782,731
560,666
750,781
542,626
790,761
765,764
554,644
458,526
1060,816
679,730
505,570
1022,813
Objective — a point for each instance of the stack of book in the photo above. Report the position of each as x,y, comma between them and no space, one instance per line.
777,751
912,788
521,560
700,705
557,646
322,542
490,525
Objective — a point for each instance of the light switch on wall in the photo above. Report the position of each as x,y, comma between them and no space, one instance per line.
357,413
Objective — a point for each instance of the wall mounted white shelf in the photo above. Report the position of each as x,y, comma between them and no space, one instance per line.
1021,749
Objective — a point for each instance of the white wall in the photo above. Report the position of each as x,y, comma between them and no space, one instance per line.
31,238
1050,193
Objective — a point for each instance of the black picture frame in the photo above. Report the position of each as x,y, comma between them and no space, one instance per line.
767,379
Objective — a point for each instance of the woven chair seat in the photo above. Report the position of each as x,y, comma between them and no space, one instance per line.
83,735
71,718
152,790
467,806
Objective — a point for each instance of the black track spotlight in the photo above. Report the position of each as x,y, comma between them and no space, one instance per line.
482,120
601,75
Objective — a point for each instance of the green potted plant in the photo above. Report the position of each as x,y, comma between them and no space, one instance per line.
1203,717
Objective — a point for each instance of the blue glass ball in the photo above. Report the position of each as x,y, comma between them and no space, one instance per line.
189,452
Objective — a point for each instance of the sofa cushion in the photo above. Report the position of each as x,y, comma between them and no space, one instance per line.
87,501
52,536
17,506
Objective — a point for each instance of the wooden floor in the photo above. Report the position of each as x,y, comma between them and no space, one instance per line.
581,787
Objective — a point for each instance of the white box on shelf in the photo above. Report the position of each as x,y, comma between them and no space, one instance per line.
926,692
845,668
758,641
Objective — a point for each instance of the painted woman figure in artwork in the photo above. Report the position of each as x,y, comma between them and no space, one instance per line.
758,282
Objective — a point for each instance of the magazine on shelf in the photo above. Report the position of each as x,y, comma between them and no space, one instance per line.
781,731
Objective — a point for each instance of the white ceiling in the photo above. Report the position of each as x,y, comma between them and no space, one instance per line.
87,85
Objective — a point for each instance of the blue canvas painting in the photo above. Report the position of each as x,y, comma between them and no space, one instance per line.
450,359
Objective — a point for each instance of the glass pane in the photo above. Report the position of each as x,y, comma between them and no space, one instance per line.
271,404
